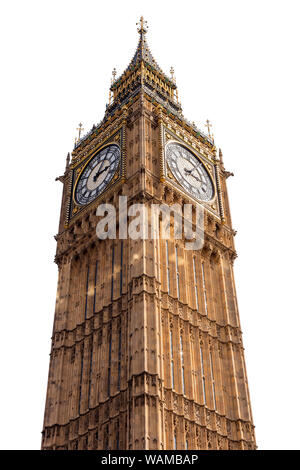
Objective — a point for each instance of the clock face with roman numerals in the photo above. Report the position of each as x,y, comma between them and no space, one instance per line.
97,174
190,172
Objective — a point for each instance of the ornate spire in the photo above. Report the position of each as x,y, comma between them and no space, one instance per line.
143,73
68,161
143,76
143,52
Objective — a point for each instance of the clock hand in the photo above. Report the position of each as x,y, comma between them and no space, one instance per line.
189,172
99,173
102,171
196,178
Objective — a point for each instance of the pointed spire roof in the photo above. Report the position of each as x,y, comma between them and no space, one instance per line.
143,73
143,55
143,52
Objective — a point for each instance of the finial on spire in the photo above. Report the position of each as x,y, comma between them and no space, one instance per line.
208,125
112,81
172,74
68,161
79,129
173,79
221,156
110,94
142,26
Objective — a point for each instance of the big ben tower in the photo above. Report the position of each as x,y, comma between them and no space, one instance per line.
146,348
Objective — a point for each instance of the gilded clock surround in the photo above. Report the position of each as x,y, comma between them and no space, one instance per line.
115,139
115,176
207,159
128,313
208,167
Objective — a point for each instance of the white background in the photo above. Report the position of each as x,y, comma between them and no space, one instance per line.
236,63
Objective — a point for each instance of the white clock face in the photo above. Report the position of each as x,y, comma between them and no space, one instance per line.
97,174
190,172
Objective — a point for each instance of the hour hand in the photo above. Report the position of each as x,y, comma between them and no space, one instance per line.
196,177
99,173
189,172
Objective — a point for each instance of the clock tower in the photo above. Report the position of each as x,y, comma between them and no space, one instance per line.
146,348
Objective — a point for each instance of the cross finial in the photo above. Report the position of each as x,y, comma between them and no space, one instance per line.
114,73
142,26
172,74
79,129
208,125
